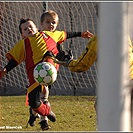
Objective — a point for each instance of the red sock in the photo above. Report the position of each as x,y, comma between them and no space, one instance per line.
42,110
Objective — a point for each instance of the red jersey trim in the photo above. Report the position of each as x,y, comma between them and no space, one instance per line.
29,61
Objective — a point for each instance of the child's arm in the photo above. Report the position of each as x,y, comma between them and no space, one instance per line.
11,64
2,72
85,34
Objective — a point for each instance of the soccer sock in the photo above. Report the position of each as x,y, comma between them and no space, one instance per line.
35,114
42,118
44,94
44,109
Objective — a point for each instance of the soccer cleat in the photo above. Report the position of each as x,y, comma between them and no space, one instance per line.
51,115
44,125
32,118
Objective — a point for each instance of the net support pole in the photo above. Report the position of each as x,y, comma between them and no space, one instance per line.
113,81
45,6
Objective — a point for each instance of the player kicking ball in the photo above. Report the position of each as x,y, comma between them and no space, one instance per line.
85,61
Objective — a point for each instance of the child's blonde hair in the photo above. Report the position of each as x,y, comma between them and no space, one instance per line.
48,13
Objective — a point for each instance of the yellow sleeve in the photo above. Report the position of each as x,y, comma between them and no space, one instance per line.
88,57
57,36
130,57
17,52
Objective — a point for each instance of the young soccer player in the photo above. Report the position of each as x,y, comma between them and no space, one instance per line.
49,22
31,50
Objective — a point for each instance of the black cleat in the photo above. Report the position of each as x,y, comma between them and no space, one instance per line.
52,116
32,118
44,125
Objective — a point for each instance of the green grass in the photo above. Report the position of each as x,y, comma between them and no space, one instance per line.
74,113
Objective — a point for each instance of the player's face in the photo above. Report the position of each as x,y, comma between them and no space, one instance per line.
49,23
28,29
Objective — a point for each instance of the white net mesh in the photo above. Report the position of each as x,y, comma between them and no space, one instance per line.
73,16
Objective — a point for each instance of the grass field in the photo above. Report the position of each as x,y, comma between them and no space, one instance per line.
74,113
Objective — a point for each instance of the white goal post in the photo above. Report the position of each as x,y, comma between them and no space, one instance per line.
113,83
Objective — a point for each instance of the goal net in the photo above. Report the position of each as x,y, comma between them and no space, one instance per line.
73,16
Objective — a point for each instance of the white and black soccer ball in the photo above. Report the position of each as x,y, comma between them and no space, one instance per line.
45,73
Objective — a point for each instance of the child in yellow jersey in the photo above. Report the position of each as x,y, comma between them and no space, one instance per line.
31,50
49,21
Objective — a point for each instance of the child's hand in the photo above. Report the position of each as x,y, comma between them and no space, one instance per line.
2,72
86,34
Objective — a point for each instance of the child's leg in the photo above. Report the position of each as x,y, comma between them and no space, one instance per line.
35,102
38,106
85,61
44,94
44,97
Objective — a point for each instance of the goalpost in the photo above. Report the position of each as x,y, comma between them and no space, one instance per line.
113,88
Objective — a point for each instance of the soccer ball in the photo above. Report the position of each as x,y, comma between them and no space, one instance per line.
45,73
